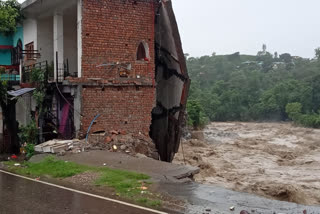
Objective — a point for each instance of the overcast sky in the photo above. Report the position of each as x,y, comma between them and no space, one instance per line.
228,26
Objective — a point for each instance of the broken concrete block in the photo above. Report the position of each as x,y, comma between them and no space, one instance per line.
123,147
56,146
59,148
38,148
46,149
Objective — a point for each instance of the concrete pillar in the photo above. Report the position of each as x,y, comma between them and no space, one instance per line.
77,109
58,44
20,70
79,36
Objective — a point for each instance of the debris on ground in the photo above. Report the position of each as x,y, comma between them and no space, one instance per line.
119,141
143,188
275,160
114,141
61,146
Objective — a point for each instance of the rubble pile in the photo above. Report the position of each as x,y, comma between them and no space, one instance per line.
62,146
120,141
114,141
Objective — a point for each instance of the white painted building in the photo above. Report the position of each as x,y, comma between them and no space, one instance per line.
53,27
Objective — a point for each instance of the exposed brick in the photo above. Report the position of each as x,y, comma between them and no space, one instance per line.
111,33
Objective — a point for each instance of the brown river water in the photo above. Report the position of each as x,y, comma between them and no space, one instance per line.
274,160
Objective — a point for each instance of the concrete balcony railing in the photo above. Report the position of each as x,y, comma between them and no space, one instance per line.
51,75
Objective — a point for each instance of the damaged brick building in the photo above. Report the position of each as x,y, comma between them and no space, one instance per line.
118,65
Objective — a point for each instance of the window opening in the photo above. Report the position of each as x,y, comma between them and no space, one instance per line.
142,52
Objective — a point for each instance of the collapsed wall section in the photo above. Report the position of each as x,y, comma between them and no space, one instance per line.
134,72
172,84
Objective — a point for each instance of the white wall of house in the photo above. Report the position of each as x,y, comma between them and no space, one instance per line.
24,106
45,39
30,32
70,39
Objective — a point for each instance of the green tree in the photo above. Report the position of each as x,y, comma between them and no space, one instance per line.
286,57
10,16
244,88
294,110
195,114
317,50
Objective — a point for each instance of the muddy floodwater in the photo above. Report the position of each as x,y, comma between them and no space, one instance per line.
275,160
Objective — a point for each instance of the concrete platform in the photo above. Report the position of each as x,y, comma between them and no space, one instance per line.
159,171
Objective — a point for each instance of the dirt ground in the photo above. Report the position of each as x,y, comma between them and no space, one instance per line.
275,160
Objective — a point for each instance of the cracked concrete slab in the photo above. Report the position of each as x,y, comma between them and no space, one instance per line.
159,171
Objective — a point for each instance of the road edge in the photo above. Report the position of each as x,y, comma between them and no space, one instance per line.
85,193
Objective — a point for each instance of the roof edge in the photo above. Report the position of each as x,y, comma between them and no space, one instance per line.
27,3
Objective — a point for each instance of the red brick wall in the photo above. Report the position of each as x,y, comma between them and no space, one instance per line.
112,31
121,108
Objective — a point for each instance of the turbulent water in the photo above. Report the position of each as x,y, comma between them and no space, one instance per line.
275,160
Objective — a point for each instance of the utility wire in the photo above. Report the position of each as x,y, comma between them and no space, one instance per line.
67,100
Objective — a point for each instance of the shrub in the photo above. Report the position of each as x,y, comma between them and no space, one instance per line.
196,116
309,120
29,150
29,134
294,110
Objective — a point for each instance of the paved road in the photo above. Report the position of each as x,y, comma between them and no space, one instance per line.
23,196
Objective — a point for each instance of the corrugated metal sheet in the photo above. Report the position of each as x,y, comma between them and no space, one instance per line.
20,92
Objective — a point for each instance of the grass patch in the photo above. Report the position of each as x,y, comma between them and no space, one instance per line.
126,184
48,167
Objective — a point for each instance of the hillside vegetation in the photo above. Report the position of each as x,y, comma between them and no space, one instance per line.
265,87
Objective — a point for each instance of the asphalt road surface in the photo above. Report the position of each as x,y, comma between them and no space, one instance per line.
23,196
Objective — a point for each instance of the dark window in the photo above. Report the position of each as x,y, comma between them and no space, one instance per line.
17,53
141,53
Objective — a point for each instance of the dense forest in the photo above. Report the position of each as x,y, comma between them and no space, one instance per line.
264,87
